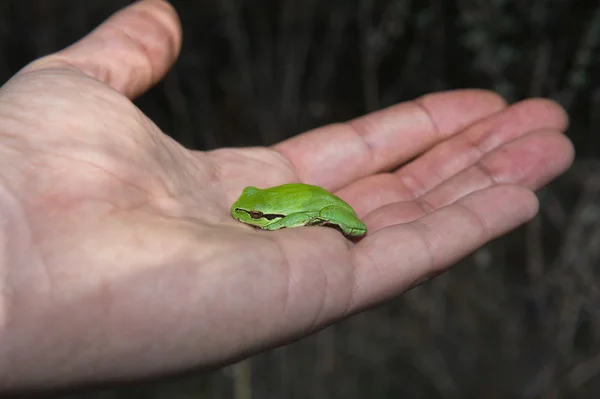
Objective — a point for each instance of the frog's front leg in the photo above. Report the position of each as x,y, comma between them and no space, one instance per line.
347,221
293,220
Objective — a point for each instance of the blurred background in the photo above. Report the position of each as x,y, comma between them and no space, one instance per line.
520,318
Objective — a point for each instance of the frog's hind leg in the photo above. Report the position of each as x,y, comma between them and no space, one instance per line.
293,220
343,220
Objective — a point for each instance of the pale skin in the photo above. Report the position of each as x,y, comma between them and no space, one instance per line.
119,258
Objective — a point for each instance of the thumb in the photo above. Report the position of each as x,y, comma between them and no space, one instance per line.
130,51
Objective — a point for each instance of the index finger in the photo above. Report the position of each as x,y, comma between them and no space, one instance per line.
335,155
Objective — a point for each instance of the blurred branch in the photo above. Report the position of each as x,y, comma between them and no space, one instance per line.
242,380
586,51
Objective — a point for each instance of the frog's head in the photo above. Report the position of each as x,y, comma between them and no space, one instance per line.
250,208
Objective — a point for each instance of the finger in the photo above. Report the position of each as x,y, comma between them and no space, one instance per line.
393,259
130,51
460,152
530,161
466,149
336,155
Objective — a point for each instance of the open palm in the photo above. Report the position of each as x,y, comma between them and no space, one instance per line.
119,258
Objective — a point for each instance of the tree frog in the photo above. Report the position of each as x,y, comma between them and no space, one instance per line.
295,205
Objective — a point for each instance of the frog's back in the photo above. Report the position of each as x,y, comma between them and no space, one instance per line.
309,196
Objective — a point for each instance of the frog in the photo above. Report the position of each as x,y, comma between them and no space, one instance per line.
295,205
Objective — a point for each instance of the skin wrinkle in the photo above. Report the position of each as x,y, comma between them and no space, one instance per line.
165,209
415,190
477,144
132,207
162,28
10,143
404,190
423,231
286,266
350,305
361,128
120,34
438,133
175,156
486,141
148,130
435,172
217,173
487,173
142,74
350,293
291,165
117,177
398,190
501,105
215,176
210,172
180,155
425,206
90,69
58,64
94,165
254,156
323,300
269,165
4,299
4,133
231,157
49,280
483,227
6,118
474,145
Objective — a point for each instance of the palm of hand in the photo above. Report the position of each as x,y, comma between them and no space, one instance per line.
117,237
117,217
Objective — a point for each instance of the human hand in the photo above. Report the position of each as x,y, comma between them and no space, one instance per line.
118,256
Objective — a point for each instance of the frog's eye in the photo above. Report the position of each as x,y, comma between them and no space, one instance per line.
255,214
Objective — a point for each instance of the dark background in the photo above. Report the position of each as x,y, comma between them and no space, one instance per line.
520,318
